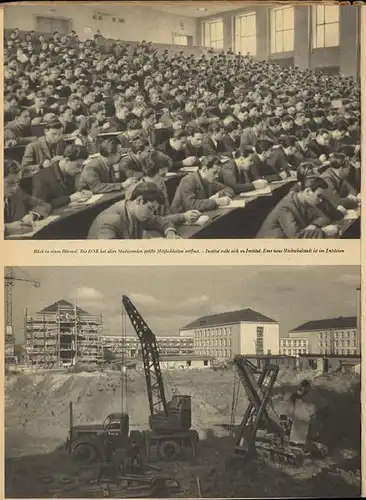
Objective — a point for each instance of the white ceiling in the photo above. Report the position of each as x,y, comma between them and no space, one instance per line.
190,9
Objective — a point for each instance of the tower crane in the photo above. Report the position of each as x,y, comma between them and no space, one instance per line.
9,280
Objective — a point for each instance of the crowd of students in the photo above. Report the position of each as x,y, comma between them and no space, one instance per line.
243,123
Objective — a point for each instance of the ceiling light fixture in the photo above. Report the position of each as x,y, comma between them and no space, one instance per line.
202,9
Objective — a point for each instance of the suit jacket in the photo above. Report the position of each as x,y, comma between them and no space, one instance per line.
177,157
193,193
34,113
317,149
289,219
238,180
338,190
117,125
37,152
116,223
13,131
99,178
230,145
21,203
210,148
248,138
279,161
265,170
51,185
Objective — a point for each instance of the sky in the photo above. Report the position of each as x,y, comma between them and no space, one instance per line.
169,297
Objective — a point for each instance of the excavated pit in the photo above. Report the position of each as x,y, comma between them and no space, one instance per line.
37,417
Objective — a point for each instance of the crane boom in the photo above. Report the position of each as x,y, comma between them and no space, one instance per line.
150,357
9,279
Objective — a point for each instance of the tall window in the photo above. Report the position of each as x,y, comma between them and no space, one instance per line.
246,34
282,29
180,39
214,34
259,342
325,26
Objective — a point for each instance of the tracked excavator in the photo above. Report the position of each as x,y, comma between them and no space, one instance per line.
170,422
262,433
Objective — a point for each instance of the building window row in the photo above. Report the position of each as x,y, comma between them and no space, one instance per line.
216,353
212,342
213,332
325,30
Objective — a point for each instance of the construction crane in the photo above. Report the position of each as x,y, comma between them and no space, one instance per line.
170,421
9,279
262,433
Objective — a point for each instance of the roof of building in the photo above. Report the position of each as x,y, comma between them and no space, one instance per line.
327,324
247,315
53,308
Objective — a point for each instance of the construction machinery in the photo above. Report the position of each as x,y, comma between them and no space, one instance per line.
92,442
169,421
262,433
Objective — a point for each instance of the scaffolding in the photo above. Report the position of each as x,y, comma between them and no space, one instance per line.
63,335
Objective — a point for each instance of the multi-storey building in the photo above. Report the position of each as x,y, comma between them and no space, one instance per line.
130,346
63,334
294,346
231,333
329,336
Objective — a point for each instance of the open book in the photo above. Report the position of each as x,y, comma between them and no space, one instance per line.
93,199
37,225
188,169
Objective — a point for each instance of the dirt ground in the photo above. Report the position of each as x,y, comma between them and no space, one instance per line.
36,426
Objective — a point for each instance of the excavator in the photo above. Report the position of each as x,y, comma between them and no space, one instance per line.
169,421
263,433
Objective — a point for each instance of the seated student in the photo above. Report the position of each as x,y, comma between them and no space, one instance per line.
340,136
88,132
175,149
57,184
40,153
154,172
118,122
212,143
201,190
232,137
303,153
68,121
130,164
134,130
20,209
18,132
240,174
262,152
194,142
281,156
320,145
128,219
296,215
273,129
339,191
250,135
102,174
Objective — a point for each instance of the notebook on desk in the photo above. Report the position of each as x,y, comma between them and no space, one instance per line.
351,215
188,169
37,225
257,192
93,199
235,204
199,222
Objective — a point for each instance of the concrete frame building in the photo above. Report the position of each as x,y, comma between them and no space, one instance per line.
130,346
225,335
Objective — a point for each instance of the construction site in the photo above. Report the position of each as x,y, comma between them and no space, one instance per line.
241,431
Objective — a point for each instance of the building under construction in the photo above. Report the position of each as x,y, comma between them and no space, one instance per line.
62,335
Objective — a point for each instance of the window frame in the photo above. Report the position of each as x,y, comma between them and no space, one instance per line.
274,30
207,35
239,36
315,25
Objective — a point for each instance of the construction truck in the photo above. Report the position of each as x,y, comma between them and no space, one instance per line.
264,433
99,442
169,421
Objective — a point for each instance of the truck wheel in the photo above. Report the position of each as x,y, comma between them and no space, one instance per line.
169,451
84,452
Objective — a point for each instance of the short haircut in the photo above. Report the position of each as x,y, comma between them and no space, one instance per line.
74,152
263,145
302,134
308,178
191,131
288,141
230,127
274,121
322,131
109,147
134,125
215,127
338,160
342,125
149,192
56,124
209,161
244,152
11,167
